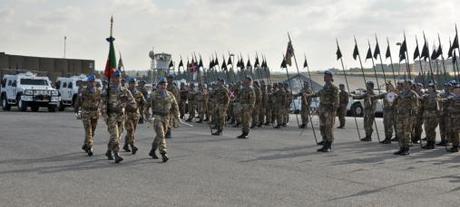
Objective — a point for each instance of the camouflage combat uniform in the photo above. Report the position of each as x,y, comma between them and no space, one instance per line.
405,107
370,103
342,110
247,100
221,100
430,108
329,102
305,109
89,100
132,118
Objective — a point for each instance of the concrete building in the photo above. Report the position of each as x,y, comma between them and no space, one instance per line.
51,67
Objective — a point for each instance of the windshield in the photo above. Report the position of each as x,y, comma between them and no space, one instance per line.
35,82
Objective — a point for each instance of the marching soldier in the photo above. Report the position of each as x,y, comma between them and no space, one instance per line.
114,102
199,98
306,101
191,102
418,118
388,112
430,108
89,100
132,116
143,90
257,106
183,99
370,103
406,104
175,91
329,102
164,105
343,103
278,102
221,100
247,100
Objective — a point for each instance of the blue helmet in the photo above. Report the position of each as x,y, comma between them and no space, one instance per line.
91,77
117,73
132,80
162,80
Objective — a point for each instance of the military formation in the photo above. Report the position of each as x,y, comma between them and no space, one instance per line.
408,109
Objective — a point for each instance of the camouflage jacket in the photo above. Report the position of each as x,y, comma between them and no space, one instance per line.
406,103
162,105
328,97
247,98
140,101
119,99
343,98
89,100
430,104
220,95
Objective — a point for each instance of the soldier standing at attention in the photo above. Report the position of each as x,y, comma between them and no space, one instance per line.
263,103
89,100
305,109
269,106
143,90
132,116
443,116
256,111
343,103
175,91
221,99
329,102
418,118
114,102
191,102
183,99
405,107
430,107
370,103
453,108
247,100
164,105
388,112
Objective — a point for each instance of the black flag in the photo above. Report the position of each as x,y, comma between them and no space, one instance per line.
355,52
171,64
425,52
440,50
181,64
338,53
224,65
376,51
402,51
289,53
369,54
388,53
434,54
416,52
283,63
229,62
248,64
256,63
305,64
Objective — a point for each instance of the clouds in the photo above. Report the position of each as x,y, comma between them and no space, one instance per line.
182,27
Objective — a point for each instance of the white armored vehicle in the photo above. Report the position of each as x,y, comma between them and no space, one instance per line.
69,88
28,90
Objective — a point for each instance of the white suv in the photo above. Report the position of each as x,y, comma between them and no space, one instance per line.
69,87
28,90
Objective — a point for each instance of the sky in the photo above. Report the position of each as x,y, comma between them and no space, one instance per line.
206,27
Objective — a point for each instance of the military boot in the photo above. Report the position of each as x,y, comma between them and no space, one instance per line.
366,139
387,140
168,134
429,145
405,151
395,139
84,147
453,149
217,133
442,143
324,148
302,126
164,157
90,151
117,157
244,135
134,149
126,147
152,152
109,155
277,126
399,152
321,143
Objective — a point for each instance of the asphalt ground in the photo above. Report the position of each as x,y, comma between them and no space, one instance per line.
41,164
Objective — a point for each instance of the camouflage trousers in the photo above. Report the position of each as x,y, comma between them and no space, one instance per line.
161,125
369,118
285,115
454,130
341,113
201,109
182,105
443,120
255,115
131,122
417,127
262,115
246,116
89,120
304,114
268,115
326,123
277,115
219,116
191,109
430,123
237,112
388,123
404,129
115,129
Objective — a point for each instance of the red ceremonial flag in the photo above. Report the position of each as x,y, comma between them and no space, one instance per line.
111,64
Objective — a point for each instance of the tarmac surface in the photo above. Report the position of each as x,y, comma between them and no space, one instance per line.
41,164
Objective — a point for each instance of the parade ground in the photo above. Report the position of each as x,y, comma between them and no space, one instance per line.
41,164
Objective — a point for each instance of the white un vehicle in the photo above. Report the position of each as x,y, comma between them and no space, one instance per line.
69,87
28,90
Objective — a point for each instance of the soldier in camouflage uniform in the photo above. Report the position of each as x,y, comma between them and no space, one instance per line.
175,91
343,103
418,118
287,104
278,102
263,103
200,102
388,112
247,100
257,106
443,116
164,105
269,106
89,100
430,110
306,101
453,109
191,102
370,103
221,100
406,104
132,116
329,102
143,90
114,102
183,100
237,106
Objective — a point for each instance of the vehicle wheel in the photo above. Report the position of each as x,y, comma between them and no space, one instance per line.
61,106
34,108
357,110
5,105
22,106
52,108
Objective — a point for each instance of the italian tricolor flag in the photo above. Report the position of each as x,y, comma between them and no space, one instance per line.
111,64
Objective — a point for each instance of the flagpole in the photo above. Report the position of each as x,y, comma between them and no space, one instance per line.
391,62
378,87
290,87
348,88
407,59
360,62
429,59
311,86
443,60
420,61
381,61
298,71
110,40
